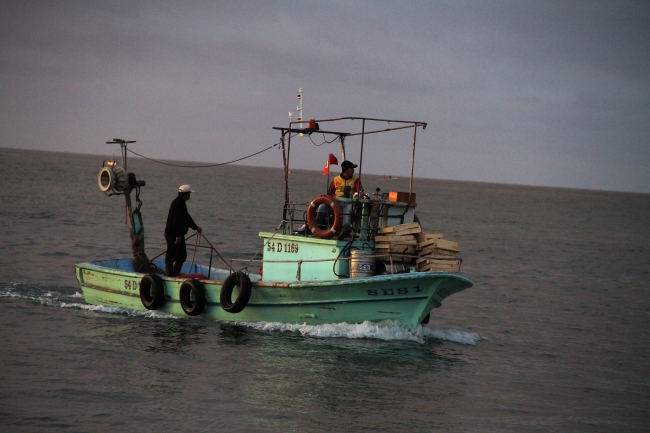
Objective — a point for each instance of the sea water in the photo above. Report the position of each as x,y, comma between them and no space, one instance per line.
554,335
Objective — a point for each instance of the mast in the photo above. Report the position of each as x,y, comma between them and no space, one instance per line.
415,131
286,178
299,107
136,231
363,134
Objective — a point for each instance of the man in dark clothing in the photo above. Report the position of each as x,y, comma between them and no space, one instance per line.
178,223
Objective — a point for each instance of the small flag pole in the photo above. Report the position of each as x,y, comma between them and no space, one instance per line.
327,169
327,186
330,160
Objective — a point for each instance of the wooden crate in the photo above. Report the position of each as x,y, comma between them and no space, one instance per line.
438,244
394,248
444,244
427,242
438,265
402,229
422,237
433,251
397,240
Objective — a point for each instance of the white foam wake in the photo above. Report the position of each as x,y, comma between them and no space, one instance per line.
454,335
387,330
119,310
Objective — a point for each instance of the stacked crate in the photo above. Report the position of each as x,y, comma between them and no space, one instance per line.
399,241
437,254
404,240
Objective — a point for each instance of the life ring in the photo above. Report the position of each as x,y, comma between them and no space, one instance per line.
152,291
192,297
237,279
311,217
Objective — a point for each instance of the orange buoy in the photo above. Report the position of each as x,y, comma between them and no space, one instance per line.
338,217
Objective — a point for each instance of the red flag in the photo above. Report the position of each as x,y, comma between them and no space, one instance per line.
331,160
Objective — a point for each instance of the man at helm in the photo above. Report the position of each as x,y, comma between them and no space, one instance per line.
344,185
178,223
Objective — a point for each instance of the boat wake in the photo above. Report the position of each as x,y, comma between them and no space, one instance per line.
387,330
73,299
43,295
119,310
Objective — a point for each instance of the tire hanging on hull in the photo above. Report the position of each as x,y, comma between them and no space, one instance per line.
192,297
237,279
152,291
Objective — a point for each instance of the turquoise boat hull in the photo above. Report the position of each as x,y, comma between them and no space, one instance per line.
405,297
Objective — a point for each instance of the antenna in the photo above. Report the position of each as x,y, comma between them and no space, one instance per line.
299,107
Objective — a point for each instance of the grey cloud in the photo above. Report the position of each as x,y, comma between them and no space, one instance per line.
504,81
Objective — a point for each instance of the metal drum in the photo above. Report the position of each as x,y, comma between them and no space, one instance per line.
362,263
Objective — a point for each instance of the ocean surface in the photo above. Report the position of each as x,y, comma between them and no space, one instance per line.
553,337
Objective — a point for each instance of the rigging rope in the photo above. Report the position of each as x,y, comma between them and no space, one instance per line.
324,140
202,166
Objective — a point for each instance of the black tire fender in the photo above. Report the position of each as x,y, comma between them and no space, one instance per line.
152,291
192,297
237,279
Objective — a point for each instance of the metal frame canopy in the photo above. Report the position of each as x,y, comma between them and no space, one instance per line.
286,146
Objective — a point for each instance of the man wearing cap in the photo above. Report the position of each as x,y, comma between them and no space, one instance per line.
178,223
344,185
346,179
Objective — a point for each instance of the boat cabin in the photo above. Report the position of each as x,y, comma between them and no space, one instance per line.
303,249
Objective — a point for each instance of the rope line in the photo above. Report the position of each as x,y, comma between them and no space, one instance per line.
324,140
260,250
202,166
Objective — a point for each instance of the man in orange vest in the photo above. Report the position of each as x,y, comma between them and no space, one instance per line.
344,185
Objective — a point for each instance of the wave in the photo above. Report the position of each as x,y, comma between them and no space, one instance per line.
43,295
386,330
120,311
65,298
453,335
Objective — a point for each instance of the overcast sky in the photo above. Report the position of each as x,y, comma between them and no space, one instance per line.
524,92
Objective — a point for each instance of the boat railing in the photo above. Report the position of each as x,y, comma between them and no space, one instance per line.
295,221
299,262
295,213
197,244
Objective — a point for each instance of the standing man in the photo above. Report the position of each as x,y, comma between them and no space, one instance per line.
178,223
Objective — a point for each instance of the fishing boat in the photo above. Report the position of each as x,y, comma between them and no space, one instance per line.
312,271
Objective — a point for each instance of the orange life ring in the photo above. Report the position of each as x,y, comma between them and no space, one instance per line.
311,217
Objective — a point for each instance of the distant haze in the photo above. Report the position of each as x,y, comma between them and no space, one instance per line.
551,93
